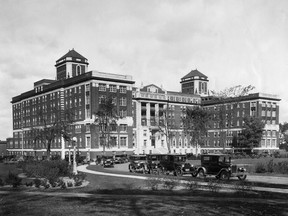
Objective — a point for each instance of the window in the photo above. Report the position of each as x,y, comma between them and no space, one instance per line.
112,88
123,101
123,113
123,127
113,141
78,128
123,141
102,87
78,70
88,128
88,142
123,89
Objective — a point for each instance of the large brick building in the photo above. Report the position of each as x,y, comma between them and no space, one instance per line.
143,112
78,90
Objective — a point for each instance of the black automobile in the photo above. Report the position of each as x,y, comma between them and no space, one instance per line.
108,161
220,166
176,164
119,159
138,163
153,161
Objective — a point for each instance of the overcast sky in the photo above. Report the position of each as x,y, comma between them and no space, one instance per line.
231,41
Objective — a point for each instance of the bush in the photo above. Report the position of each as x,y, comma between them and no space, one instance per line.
69,184
2,182
242,187
260,168
214,185
37,182
153,183
281,167
13,180
169,183
270,166
51,170
52,175
192,185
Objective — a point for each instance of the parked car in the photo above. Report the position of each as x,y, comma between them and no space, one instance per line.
11,161
220,166
174,163
153,161
108,161
138,163
119,159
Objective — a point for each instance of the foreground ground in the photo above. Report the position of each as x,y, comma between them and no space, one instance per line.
121,196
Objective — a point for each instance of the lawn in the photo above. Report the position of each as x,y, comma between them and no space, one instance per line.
120,196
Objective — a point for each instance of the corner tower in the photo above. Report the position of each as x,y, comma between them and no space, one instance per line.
70,65
195,83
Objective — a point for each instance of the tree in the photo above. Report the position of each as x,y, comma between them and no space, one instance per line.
196,123
54,127
224,98
251,135
106,118
165,127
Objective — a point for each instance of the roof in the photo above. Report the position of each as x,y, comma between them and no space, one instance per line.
194,73
72,53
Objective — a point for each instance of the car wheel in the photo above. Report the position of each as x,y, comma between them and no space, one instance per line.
178,172
242,177
224,175
201,174
194,173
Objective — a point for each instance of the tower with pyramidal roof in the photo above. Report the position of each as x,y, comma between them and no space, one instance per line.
195,82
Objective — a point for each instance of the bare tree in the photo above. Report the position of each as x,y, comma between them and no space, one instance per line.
165,126
106,118
51,128
196,123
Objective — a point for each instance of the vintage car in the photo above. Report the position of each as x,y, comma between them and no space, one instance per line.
153,161
107,161
175,164
119,159
220,166
138,163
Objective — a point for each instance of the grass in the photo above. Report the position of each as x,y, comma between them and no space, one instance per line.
122,204
122,196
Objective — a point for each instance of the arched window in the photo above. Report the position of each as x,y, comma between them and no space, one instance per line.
78,70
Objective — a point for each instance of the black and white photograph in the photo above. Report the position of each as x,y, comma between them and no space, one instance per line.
135,108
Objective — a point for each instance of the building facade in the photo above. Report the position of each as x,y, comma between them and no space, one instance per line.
150,118
260,105
80,92
158,120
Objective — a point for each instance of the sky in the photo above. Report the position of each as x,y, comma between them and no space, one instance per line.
235,42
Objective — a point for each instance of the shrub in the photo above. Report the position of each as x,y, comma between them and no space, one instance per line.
37,182
260,168
242,187
214,185
29,184
169,183
2,182
13,180
69,184
192,185
281,167
270,166
153,183
52,175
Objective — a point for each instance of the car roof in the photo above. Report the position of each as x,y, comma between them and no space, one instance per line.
214,155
